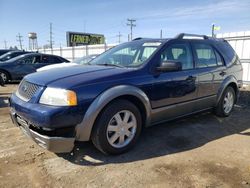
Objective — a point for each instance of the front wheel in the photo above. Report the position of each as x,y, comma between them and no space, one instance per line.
117,128
226,103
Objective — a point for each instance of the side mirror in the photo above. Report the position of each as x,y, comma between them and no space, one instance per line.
170,65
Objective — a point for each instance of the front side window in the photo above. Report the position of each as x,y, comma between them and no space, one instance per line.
31,60
180,52
132,54
205,55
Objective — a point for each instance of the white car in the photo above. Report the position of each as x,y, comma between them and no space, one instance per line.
79,61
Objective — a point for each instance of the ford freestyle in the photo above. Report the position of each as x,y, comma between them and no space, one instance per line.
131,86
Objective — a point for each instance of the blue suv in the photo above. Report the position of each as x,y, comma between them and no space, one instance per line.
133,85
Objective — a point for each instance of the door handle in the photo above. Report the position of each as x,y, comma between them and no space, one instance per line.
191,78
223,73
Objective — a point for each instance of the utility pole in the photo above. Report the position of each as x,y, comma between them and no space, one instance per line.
213,30
161,34
19,39
50,36
119,37
131,24
5,44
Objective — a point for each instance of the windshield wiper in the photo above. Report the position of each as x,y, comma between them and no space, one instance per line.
112,65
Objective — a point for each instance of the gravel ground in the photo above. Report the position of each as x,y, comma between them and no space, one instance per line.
198,151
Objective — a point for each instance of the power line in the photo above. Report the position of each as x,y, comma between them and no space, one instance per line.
19,39
119,37
131,24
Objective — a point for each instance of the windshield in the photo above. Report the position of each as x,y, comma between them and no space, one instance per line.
131,54
84,60
10,55
16,58
6,56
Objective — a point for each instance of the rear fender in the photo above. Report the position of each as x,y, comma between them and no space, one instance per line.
224,85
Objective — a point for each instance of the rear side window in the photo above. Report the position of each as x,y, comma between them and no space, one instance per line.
50,59
219,58
205,55
228,52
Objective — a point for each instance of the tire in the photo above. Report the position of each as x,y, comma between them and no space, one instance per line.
4,76
229,97
119,121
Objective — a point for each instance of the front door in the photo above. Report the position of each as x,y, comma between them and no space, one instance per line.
27,65
175,91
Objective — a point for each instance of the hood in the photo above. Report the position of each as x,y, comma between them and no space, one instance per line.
70,76
58,65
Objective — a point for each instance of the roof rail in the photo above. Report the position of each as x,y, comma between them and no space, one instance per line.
138,38
182,35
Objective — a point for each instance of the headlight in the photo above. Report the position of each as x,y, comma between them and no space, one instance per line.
58,97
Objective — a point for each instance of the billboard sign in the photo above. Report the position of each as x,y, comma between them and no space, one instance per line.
79,39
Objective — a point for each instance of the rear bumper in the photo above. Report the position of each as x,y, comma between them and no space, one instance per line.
54,144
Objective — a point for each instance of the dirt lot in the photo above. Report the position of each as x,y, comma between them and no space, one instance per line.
199,151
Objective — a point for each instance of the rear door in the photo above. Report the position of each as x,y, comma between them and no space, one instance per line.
211,68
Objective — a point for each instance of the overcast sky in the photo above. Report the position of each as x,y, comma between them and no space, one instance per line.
109,17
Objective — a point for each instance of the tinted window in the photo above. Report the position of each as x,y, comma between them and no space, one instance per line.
50,59
218,58
228,52
179,52
54,59
205,55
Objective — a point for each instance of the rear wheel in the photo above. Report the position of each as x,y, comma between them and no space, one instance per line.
118,127
226,103
4,76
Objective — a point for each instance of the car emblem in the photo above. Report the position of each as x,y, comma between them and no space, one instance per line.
24,88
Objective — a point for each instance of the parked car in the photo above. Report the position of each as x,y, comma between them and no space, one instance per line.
133,85
4,51
80,61
7,56
17,67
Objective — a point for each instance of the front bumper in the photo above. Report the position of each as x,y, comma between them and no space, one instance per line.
54,144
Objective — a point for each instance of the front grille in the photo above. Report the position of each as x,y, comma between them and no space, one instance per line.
27,90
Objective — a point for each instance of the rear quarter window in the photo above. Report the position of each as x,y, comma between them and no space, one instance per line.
228,52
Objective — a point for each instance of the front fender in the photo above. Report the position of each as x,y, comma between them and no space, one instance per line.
83,130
